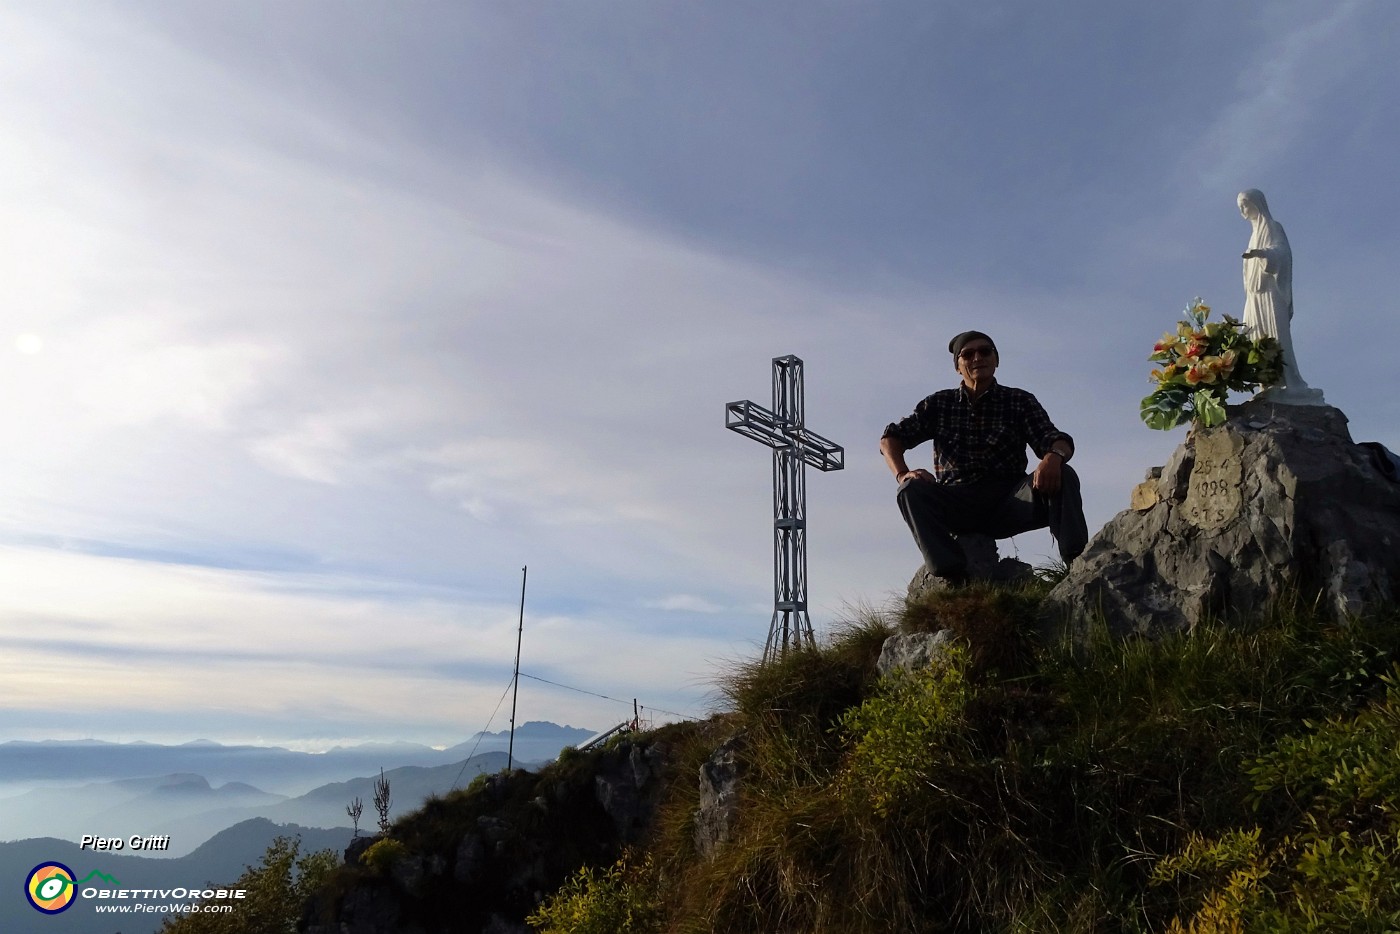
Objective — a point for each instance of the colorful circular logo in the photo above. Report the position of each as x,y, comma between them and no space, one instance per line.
50,888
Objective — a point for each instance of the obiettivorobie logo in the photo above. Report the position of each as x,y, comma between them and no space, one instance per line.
51,887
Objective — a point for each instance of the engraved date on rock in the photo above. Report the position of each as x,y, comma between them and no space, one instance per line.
1213,497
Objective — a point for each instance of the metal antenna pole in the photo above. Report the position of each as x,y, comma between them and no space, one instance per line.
515,695
794,447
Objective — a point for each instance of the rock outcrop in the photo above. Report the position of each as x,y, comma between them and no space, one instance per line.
719,798
1277,499
480,864
983,563
913,651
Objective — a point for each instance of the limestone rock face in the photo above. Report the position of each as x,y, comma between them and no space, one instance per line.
627,789
719,798
1277,497
912,651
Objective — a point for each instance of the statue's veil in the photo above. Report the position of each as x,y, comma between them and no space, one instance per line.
1256,197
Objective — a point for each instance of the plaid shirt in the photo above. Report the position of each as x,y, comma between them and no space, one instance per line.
981,440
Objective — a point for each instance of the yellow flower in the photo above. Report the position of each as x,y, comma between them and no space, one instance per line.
1200,373
1168,342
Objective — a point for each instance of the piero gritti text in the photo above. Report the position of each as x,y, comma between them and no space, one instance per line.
153,842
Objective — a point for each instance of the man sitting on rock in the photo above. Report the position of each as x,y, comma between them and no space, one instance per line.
979,483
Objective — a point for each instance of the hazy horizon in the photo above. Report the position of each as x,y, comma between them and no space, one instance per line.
312,747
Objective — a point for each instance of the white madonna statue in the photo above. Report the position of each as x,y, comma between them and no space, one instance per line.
1268,296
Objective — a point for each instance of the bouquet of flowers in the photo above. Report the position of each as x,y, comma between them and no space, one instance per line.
1201,363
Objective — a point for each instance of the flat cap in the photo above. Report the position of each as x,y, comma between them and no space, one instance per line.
956,344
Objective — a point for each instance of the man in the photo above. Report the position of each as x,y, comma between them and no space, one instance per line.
979,483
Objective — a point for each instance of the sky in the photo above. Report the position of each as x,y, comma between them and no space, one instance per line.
320,321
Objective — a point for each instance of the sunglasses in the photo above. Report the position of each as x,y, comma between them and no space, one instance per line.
972,352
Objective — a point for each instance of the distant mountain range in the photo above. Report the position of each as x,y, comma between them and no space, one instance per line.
195,790
220,861
26,765
189,810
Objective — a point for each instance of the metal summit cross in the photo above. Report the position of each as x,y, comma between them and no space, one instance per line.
794,447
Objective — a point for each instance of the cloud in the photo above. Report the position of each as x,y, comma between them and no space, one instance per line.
141,639
311,350
1279,88
684,602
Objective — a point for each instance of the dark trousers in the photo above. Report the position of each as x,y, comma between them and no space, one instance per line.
937,512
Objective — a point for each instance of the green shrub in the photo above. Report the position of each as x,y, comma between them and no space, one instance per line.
616,900
1334,865
1347,768
277,888
479,782
382,854
899,736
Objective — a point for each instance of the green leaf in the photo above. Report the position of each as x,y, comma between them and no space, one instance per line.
1165,408
1209,410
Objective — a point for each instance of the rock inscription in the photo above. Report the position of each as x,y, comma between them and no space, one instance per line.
1214,496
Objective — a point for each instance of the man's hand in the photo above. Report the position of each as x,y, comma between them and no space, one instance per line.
893,452
1047,474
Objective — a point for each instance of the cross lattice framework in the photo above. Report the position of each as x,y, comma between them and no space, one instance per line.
794,447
